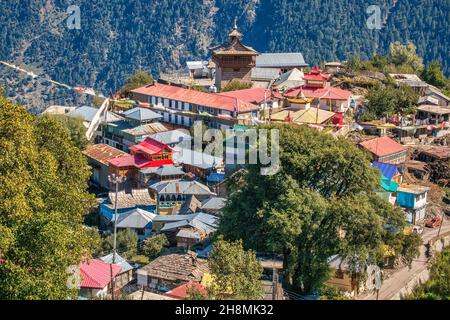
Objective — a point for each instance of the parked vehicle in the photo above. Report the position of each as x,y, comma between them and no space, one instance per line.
433,222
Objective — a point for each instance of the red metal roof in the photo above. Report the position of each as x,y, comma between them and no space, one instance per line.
252,95
96,274
138,161
316,75
182,291
216,101
382,146
150,146
330,93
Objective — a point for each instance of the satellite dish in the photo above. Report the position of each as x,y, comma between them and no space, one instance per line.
205,63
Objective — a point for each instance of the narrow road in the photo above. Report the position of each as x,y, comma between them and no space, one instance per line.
403,276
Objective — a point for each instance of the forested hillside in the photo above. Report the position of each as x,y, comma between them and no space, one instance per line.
118,37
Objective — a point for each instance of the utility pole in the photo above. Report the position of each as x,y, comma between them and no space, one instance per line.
116,180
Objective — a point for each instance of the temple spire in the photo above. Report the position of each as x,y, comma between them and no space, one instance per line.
235,34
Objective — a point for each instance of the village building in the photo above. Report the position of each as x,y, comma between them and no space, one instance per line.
310,115
172,194
434,114
96,278
198,69
136,199
344,278
148,154
87,114
170,271
150,176
334,67
138,124
283,61
98,156
435,153
125,276
290,79
262,97
437,94
233,60
213,205
184,291
137,220
187,230
413,200
198,163
183,107
174,138
386,150
323,95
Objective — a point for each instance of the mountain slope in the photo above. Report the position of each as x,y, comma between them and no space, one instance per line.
120,36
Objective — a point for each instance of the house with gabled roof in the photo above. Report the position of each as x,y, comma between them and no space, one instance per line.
148,154
170,271
172,194
187,229
96,278
125,276
384,149
137,124
138,221
98,156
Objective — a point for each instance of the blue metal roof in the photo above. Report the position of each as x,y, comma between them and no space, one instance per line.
387,170
216,177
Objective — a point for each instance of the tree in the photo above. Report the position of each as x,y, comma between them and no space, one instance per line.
438,286
401,55
154,245
75,127
389,100
43,198
236,85
320,203
433,75
127,241
138,79
236,273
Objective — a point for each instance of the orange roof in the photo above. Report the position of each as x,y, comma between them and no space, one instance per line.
382,146
182,291
252,95
216,101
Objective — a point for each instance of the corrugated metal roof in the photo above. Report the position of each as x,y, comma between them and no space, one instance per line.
265,73
279,60
135,219
142,114
214,203
119,261
170,137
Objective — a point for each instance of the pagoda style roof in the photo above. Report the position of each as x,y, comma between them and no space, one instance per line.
234,45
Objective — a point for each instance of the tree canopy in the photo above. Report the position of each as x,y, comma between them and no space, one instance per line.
43,198
320,203
236,273
438,286
138,79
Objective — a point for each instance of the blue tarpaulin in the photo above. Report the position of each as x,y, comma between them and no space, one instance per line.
387,170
